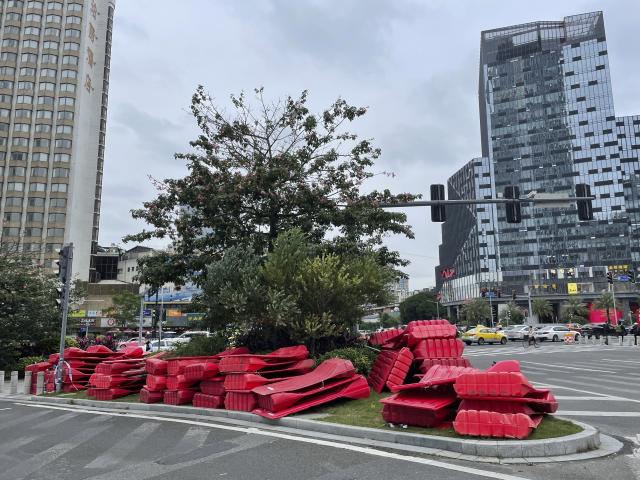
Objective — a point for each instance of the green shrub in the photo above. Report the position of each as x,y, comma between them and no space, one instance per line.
23,362
361,357
201,346
71,342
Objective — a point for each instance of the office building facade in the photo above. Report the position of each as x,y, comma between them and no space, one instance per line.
548,123
54,83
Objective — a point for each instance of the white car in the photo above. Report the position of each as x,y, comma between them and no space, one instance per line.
555,333
187,336
132,342
516,332
162,345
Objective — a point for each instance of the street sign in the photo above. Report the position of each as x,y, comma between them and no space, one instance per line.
491,294
146,312
623,278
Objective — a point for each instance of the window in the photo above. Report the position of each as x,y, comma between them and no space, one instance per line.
20,142
8,56
31,247
46,100
4,127
47,87
36,202
73,46
34,4
48,73
70,102
3,141
15,186
53,247
12,217
67,87
51,32
6,84
9,71
29,58
28,72
69,74
43,128
35,217
10,42
30,44
16,171
59,187
40,157
39,172
62,158
32,232
10,231
16,17
33,17
5,113
58,203
55,232
25,86
22,113
60,173
14,3
72,19
54,5
24,99
44,114
50,59
41,143
37,187
13,202
19,156
51,45
32,31
64,115
63,143
22,127
70,60
12,30
5,98
56,217
54,19
74,7
72,33
66,129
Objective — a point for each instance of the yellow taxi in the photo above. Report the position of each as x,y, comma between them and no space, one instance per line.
482,335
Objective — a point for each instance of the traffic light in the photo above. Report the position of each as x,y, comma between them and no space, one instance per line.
632,276
437,211
585,207
63,271
514,214
610,278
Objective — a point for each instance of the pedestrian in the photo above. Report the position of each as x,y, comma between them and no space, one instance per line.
622,331
148,345
636,331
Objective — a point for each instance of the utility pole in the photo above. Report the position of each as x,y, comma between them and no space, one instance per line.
65,263
140,318
529,299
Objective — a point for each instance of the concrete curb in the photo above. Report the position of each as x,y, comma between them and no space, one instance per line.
583,445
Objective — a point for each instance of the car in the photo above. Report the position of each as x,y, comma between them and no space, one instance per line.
483,335
131,342
555,333
187,336
516,332
162,345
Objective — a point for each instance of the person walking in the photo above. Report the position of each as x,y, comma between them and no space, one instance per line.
622,331
635,330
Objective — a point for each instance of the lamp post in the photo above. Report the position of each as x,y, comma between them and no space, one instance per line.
437,307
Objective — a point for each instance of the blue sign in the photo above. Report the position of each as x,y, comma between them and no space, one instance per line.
146,312
491,295
623,278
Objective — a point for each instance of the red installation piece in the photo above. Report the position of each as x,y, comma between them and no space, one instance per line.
500,403
156,382
332,379
281,363
117,378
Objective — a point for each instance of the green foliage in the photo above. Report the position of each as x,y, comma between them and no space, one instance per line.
606,302
542,308
475,311
202,346
29,319
259,171
421,306
126,308
512,315
361,357
389,321
24,362
574,311
71,342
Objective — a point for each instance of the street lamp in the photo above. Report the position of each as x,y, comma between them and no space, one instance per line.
437,306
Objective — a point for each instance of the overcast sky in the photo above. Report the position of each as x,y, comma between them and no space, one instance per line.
413,63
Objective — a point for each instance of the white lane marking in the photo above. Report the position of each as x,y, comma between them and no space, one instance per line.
3,409
619,361
586,413
625,399
567,368
124,446
599,399
295,438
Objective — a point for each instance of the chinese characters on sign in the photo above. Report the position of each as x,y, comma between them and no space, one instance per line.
88,80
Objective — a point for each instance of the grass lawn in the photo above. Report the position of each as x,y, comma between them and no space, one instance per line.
82,395
367,412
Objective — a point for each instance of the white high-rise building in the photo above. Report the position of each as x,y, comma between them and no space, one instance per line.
54,83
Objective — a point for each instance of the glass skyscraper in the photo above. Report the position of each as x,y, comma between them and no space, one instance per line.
548,123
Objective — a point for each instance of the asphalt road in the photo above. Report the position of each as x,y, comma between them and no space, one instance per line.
596,384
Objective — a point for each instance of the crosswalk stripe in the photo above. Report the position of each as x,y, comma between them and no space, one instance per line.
26,419
52,422
566,367
114,455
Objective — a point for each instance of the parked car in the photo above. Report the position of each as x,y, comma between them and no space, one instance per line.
555,333
516,332
482,335
131,342
162,345
187,336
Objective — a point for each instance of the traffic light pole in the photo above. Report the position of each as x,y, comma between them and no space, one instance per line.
481,201
65,312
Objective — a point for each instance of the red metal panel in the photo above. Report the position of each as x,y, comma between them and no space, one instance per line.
178,397
147,396
494,424
400,368
213,386
381,369
242,401
202,400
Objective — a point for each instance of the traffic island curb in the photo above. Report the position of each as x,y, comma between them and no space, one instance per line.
584,445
